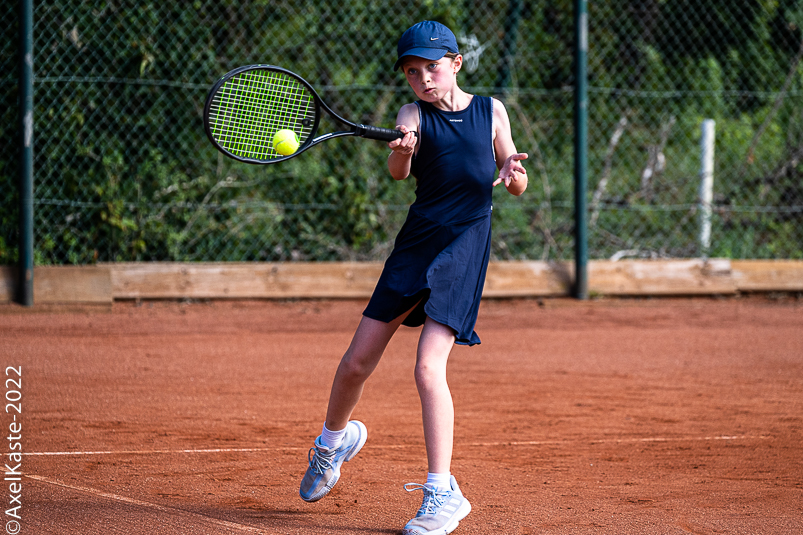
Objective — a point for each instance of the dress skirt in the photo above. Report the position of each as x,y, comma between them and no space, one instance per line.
440,266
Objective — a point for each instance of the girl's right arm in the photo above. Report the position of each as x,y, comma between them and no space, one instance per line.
401,157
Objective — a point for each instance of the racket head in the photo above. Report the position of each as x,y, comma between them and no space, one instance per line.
247,106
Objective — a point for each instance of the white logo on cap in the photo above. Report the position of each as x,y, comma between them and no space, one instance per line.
433,38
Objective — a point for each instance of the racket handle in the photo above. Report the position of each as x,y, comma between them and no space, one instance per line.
382,134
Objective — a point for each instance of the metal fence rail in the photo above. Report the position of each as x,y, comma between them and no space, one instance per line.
123,171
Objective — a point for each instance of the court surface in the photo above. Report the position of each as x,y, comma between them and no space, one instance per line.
662,416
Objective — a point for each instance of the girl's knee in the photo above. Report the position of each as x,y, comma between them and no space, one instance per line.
356,367
429,377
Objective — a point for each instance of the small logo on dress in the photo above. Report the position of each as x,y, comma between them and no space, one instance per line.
455,120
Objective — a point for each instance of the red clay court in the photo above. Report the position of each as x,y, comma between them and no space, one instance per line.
664,416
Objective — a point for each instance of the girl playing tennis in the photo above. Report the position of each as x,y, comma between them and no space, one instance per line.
435,275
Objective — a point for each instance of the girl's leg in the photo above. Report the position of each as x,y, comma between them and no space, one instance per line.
360,360
344,439
437,409
444,505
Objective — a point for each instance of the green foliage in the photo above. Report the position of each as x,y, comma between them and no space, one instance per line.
124,171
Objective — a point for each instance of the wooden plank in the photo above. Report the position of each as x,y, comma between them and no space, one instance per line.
768,275
309,280
8,283
625,277
245,280
357,280
166,280
61,284
528,279
72,284
660,277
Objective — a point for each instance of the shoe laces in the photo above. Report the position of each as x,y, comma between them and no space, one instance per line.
433,498
319,461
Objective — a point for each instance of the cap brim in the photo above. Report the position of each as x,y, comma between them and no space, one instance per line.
426,53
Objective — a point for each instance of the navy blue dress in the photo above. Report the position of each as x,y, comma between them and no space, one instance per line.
441,253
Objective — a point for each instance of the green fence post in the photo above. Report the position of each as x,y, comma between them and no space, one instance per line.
25,286
580,148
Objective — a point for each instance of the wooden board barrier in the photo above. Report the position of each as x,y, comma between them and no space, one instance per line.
62,284
768,275
357,280
8,283
244,280
167,280
661,277
528,279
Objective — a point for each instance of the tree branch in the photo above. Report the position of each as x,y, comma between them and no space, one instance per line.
775,107
606,171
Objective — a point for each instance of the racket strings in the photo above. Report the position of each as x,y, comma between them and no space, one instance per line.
251,107
257,107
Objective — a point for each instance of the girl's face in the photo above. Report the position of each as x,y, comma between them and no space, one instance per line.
431,79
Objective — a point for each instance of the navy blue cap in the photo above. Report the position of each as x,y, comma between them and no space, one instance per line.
428,40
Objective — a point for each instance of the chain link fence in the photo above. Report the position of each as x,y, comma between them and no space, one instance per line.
124,172
658,69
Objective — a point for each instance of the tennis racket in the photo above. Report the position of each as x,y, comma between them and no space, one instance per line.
248,105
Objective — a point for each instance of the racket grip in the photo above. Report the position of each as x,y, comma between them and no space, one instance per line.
382,134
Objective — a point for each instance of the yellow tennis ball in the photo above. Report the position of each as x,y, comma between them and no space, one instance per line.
285,142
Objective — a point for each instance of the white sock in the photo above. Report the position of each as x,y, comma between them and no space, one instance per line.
440,481
332,440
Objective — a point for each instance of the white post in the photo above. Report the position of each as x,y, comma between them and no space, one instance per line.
706,184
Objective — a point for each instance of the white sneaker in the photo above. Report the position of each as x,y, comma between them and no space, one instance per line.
324,465
440,512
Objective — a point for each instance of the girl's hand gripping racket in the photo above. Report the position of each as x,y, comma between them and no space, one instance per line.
249,105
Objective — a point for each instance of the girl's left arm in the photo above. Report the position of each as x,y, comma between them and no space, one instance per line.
511,172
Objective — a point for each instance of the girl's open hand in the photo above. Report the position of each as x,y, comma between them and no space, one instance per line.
512,171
